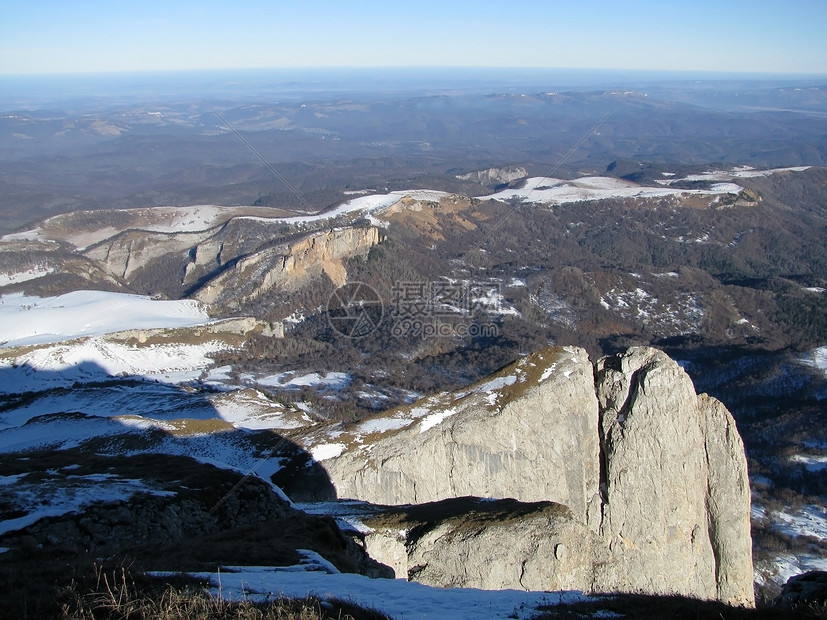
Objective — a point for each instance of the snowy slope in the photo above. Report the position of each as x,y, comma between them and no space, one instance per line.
739,172
58,493
548,190
198,219
95,359
24,276
34,320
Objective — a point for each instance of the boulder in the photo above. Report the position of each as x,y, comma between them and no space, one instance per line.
807,589
489,544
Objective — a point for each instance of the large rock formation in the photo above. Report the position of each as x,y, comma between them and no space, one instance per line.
214,254
289,266
675,482
528,432
652,477
489,544
495,175
188,507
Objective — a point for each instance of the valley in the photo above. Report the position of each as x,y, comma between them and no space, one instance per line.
322,387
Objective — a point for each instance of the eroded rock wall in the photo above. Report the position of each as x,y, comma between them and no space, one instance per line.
319,253
675,482
535,440
652,473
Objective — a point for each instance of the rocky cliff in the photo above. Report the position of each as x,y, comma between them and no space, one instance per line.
495,175
238,259
291,265
651,478
524,433
676,492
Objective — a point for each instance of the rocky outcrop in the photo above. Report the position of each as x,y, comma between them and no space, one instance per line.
489,544
236,326
728,503
652,476
528,432
675,483
493,176
290,267
133,250
808,590
148,518
238,260
173,517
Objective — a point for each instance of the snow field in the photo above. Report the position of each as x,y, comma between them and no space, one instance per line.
38,320
396,597
558,191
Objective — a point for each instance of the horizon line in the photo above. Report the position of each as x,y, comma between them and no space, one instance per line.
405,68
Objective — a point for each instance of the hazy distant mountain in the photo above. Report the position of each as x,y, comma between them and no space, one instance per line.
167,146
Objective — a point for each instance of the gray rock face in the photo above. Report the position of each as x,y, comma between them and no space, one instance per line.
528,433
495,175
653,476
656,476
472,543
728,504
676,491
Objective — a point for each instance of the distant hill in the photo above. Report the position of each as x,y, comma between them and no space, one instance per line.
162,151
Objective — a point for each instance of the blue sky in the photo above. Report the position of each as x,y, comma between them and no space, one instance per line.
63,36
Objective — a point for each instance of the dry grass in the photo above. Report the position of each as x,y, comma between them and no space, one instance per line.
90,592
118,595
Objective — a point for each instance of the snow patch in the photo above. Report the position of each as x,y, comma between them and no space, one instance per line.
497,383
548,190
738,172
435,419
288,380
382,425
547,372
817,358
810,520
62,495
37,320
326,451
24,276
397,598
810,462
96,359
